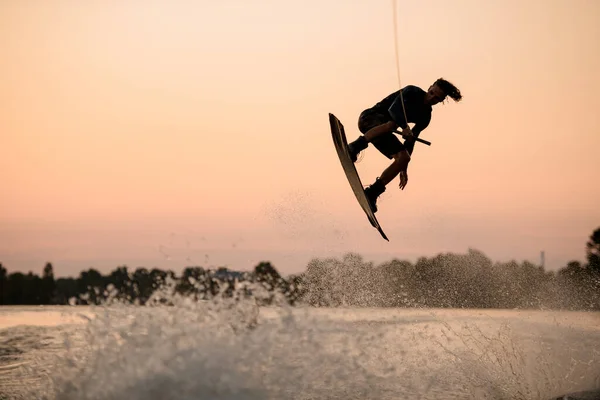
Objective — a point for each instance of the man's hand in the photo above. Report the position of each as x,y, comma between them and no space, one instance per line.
403,179
407,133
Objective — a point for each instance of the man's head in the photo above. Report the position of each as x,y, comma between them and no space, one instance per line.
439,90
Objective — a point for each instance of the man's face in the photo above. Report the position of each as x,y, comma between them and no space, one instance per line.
434,95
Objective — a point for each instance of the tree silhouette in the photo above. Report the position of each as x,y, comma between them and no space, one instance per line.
3,285
271,280
593,252
48,285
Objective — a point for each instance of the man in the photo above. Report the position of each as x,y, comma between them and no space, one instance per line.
378,123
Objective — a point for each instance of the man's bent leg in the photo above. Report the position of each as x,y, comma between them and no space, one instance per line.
372,125
372,134
379,130
400,163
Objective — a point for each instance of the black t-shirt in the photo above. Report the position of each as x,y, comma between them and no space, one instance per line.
417,111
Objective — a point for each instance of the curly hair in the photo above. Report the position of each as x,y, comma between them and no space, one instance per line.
449,89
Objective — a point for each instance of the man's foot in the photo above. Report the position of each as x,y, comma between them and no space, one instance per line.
373,193
356,147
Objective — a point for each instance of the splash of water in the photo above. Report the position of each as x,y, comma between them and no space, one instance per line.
227,347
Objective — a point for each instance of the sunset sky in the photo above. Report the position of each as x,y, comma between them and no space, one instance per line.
174,133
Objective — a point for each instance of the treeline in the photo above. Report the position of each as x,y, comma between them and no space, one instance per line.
447,280
91,287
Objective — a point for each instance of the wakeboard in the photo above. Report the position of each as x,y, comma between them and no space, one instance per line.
341,145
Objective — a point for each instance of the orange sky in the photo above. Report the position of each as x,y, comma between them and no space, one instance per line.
184,132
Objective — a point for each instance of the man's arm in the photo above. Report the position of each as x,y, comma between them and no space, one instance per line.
418,128
396,110
408,94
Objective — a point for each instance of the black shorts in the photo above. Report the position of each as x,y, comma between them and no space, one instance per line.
388,143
